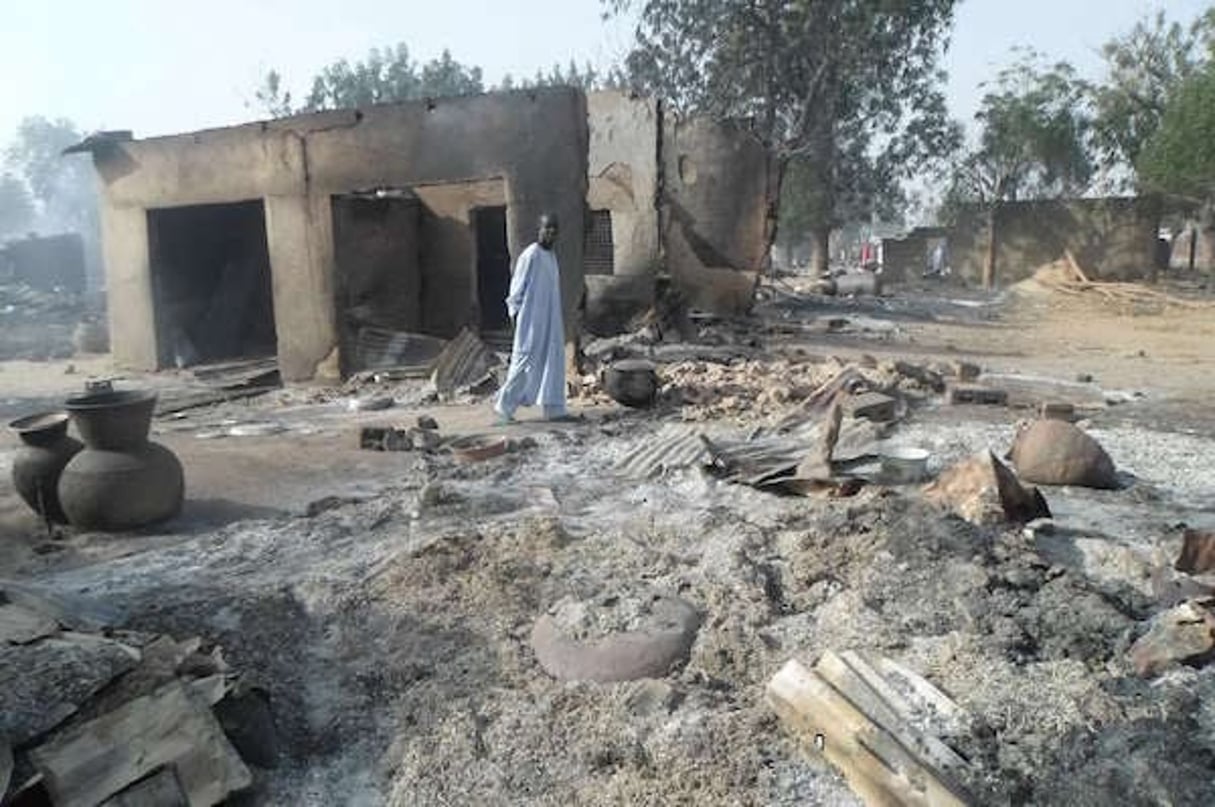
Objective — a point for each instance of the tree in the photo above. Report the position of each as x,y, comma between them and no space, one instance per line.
16,207
849,88
587,78
1143,70
444,77
271,97
385,76
1178,161
63,186
1033,142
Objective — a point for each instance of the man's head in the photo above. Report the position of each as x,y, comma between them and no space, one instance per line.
548,231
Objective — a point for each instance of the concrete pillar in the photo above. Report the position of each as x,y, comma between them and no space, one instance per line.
129,287
300,241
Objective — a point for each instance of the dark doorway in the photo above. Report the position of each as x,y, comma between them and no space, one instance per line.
379,281
493,267
211,283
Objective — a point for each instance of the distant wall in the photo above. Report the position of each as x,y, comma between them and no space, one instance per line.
903,258
533,142
46,262
1111,238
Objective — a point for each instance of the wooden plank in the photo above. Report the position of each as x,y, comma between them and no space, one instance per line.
879,768
942,703
94,760
21,625
1075,266
938,752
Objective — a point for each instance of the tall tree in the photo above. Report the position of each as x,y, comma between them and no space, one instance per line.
1143,69
848,87
1033,142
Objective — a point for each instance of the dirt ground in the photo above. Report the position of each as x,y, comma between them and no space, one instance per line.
386,600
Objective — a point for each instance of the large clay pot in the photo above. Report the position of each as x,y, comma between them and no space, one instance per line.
631,382
39,464
1054,452
121,481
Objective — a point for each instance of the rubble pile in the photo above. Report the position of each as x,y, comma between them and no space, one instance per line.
756,390
770,558
37,324
90,712
18,299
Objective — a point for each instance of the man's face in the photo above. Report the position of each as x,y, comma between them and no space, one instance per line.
548,232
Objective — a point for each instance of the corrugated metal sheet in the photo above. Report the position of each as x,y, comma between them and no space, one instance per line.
758,461
378,348
465,361
674,446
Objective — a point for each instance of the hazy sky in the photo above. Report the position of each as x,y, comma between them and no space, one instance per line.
159,66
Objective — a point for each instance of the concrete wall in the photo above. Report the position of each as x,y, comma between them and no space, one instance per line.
535,142
1111,238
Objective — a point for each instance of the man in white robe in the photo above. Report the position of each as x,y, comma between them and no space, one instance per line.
537,361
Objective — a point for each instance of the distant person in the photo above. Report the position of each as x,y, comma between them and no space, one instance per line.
537,360
939,260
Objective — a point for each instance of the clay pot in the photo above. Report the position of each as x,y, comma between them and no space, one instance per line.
632,382
39,464
121,481
1054,452
113,421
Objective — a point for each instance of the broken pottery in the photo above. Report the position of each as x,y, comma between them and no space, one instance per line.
985,492
648,652
1197,552
38,466
1054,452
121,480
1185,634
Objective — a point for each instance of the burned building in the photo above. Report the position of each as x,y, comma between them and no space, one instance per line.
304,237
686,197
286,237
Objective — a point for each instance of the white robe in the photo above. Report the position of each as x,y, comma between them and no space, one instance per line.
537,361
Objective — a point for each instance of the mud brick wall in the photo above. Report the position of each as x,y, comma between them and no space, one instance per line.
1113,239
